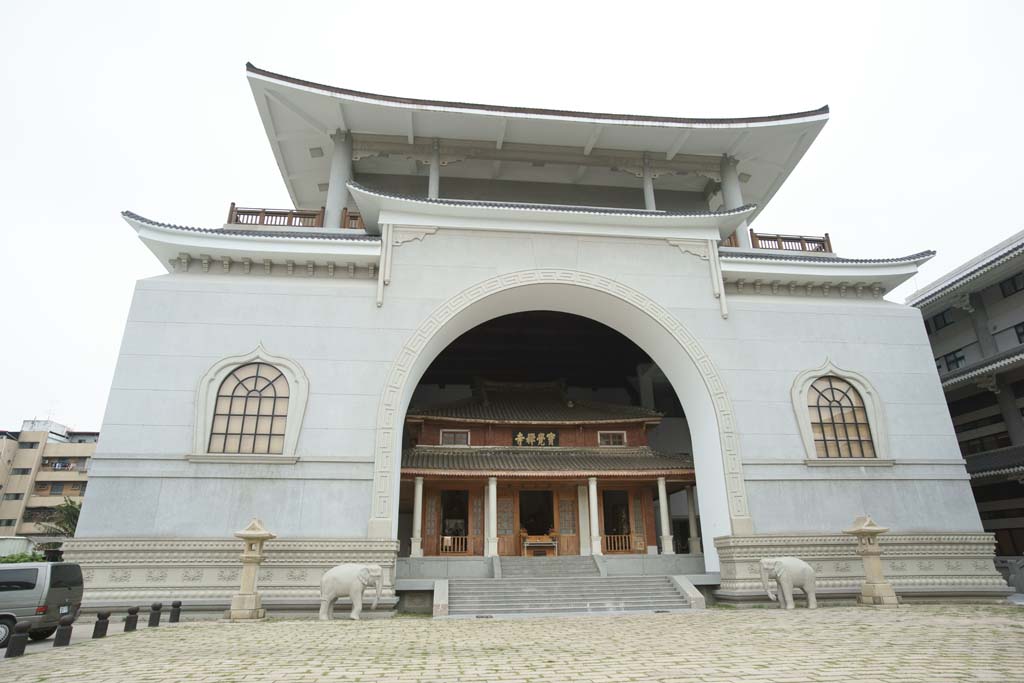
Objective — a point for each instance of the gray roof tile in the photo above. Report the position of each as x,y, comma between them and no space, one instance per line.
538,460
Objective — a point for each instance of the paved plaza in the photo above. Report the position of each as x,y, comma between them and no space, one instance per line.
917,643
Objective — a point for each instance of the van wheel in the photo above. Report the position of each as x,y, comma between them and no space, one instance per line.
6,629
42,633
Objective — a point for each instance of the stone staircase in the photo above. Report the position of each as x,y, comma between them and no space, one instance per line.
560,585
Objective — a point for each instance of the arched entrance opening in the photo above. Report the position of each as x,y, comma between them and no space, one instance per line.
655,330
543,401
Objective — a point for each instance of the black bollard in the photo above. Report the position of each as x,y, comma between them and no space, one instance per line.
99,629
63,637
175,612
154,613
16,643
132,620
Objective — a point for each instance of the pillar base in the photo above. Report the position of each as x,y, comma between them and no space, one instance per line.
695,546
877,595
595,546
245,606
667,547
417,548
491,547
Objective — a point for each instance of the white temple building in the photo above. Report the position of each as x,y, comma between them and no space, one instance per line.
487,333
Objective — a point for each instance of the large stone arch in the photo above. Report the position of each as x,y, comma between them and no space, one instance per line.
693,375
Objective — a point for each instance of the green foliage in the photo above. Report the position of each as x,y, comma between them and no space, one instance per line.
64,520
21,557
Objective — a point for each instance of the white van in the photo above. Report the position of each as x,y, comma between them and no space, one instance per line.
39,593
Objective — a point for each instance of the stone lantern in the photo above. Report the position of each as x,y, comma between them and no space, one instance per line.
246,604
876,591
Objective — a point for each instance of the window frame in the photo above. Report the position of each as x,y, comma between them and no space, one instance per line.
1015,282
873,410
206,401
467,432
957,355
1019,329
602,432
944,317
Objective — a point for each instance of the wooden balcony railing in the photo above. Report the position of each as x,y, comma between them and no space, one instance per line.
763,240
618,543
454,545
290,218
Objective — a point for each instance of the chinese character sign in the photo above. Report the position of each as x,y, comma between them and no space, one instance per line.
533,438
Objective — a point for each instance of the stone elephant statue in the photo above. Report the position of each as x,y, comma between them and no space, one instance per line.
788,573
350,580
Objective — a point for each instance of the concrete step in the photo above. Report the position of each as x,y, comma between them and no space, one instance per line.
556,595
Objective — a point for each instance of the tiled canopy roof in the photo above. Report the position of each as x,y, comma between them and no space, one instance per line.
531,402
529,462
766,255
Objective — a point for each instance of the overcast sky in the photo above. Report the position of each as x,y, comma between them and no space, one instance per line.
145,106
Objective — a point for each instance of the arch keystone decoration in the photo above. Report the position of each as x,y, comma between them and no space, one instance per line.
396,388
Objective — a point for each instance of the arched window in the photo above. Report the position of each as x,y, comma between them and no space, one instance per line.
839,419
251,411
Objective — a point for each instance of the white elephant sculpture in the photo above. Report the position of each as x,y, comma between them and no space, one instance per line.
350,580
789,573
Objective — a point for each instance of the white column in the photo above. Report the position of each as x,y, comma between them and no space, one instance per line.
666,519
417,519
491,544
434,186
691,517
649,203
595,530
732,196
584,514
341,173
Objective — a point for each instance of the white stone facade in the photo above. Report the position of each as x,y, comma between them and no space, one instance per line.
733,375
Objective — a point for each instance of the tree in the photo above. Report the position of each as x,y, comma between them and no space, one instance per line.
64,519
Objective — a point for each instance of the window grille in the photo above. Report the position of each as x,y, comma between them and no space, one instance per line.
839,421
611,438
251,411
454,437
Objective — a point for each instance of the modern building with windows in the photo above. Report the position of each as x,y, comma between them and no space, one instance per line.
974,316
40,466
485,334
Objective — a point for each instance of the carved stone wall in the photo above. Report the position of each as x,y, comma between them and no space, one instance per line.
926,564
208,569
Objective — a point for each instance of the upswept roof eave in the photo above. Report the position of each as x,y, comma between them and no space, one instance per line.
968,272
132,217
732,254
821,113
547,208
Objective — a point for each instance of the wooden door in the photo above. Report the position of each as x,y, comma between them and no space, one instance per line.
508,530
567,514
431,523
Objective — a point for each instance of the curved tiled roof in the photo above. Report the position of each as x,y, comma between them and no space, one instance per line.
560,208
967,273
542,461
765,255
316,233
548,113
531,403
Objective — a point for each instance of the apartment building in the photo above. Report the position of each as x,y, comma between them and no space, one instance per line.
974,317
40,466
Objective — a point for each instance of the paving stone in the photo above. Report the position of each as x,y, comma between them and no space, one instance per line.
913,644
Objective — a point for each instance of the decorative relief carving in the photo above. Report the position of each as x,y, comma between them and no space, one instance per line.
227,575
120,575
934,561
266,575
192,575
296,575
88,575
387,414
156,575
